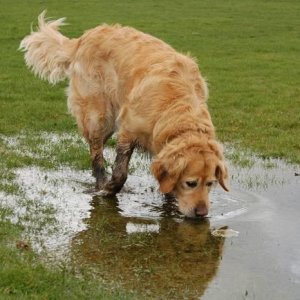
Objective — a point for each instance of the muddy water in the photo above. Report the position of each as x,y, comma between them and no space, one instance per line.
248,248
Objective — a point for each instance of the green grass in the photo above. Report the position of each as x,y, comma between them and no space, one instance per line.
248,50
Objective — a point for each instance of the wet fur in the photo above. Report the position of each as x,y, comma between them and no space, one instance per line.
127,81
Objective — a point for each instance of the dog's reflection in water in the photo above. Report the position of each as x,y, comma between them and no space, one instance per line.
166,257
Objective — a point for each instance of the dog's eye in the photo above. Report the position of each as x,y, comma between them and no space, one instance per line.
210,183
191,184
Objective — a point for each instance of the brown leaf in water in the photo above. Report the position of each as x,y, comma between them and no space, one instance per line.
225,232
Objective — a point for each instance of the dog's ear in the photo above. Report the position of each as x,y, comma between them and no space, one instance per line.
222,175
166,181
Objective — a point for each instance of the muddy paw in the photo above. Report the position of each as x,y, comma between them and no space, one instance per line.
91,190
104,193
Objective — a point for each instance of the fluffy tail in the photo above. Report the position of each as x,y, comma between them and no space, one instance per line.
47,52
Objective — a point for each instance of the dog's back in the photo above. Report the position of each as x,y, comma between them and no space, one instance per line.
137,60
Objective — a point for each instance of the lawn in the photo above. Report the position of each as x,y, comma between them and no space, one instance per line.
248,51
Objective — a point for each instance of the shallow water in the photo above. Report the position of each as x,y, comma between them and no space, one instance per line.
248,247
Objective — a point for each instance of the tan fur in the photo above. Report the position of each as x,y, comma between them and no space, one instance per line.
127,81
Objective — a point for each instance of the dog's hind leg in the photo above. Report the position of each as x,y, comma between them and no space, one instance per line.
95,120
98,161
96,152
125,147
96,133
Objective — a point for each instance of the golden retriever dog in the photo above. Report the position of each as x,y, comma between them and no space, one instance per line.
123,80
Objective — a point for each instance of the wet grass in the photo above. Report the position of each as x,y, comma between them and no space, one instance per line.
248,51
239,158
23,276
44,149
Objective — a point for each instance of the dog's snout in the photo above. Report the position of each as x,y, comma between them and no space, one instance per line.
201,211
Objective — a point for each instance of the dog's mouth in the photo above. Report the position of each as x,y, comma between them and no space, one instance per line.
196,217
192,214
200,211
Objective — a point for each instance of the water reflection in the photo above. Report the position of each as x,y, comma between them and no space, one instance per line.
159,258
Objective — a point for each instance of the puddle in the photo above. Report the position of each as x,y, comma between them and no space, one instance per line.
139,240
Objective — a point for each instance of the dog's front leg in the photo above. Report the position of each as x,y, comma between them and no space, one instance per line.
124,149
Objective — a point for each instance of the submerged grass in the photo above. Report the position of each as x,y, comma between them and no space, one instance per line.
23,276
248,50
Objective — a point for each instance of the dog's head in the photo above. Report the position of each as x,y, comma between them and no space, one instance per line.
190,173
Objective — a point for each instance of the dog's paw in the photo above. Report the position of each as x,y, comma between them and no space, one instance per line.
97,190
103,193
91,191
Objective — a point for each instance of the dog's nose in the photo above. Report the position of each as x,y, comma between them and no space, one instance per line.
201,211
